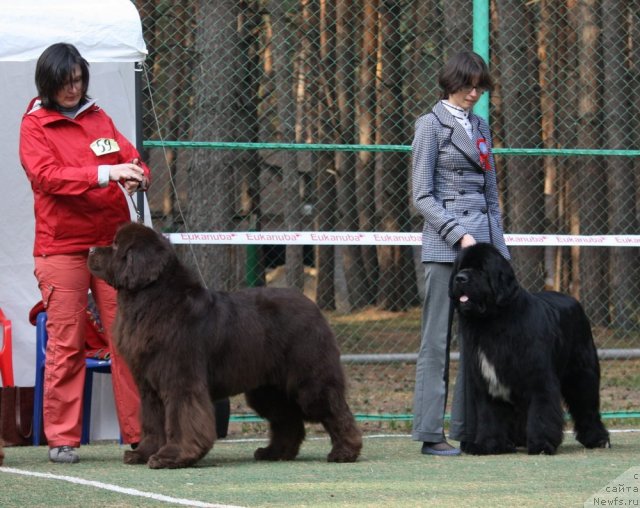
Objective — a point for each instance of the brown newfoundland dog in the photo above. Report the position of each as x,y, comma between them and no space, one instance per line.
188,346
524,354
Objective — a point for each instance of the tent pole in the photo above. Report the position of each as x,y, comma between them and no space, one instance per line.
138,119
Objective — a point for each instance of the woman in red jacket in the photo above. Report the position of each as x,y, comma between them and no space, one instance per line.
81,170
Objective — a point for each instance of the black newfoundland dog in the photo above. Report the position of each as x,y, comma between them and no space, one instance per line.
188,346
524,353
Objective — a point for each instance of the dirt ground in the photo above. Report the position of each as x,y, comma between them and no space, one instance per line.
386,391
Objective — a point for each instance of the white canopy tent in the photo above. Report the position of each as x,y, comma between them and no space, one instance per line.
108,33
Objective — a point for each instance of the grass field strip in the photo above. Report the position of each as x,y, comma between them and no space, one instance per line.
191,502
116,488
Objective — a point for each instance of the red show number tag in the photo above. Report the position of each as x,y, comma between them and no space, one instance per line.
483,151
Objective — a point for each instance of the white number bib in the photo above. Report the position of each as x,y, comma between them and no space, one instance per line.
103,146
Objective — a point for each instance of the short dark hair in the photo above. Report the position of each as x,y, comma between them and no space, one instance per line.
464,69
55,68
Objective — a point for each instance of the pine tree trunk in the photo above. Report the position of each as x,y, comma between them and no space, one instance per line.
592,189
285,68
618,91
365,165
521,117
397,289
215,177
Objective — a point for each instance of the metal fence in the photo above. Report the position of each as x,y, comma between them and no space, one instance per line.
297,116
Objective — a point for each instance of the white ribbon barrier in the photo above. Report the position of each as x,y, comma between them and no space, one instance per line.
355,238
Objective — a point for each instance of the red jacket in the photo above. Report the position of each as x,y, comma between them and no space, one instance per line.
73,213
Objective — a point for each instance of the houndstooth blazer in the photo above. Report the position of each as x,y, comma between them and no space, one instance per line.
451,190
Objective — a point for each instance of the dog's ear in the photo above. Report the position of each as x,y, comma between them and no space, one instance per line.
141,256
502,279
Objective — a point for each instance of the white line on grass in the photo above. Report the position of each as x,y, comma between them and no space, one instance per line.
115,488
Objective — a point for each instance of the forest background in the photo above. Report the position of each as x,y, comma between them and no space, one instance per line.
297,115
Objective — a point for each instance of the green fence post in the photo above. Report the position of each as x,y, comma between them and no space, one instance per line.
252,266
481,46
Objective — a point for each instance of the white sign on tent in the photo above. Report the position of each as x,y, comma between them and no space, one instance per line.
108,33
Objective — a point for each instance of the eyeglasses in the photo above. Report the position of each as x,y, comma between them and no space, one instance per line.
468,89
72,83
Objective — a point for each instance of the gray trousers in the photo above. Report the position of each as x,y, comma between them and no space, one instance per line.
430,394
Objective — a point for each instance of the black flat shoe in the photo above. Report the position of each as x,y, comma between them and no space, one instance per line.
442,449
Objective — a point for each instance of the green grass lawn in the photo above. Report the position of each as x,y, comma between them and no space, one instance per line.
390,473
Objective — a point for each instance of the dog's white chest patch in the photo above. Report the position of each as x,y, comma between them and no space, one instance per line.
496,388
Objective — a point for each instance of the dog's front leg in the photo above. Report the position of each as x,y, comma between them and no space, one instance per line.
189,428
545,422
153,437
494,418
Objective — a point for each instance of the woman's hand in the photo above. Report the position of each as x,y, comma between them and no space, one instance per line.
467,241
130,175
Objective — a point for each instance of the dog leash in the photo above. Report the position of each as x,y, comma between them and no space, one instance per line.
447,354
139,217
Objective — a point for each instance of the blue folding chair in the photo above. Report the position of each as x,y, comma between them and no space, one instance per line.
93,365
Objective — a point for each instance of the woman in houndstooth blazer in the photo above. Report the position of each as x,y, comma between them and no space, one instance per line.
455,190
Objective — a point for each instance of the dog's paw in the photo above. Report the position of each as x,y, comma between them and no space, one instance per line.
133,457
159,462
473,449
488,448
604,443
343,455
162,461
272,454
156,462
265,454
541,448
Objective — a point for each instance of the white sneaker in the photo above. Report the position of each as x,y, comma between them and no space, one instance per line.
63,455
